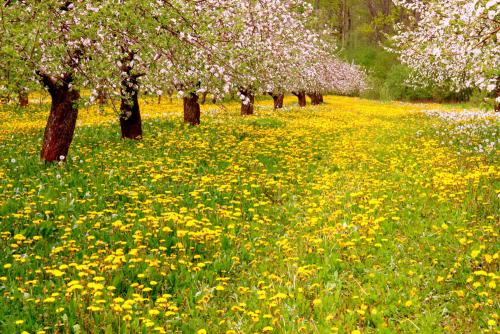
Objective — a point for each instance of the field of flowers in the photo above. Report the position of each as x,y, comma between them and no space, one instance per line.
352,217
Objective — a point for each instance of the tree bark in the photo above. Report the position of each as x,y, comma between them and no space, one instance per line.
496,96
192,109
247,105
204,98
101,97
60,127
301,95
278,99
23,98
313,98
130,114
316,98
344,22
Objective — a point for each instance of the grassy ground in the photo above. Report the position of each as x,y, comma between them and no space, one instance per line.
352,217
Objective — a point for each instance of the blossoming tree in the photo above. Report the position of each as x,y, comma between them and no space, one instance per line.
51,43
124,47
268,48
324,72
454,43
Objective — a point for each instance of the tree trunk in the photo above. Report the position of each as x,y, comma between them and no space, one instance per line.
316,98
301,95
497,96
101,97
247,105
23,98
192,109
313,98
278,100
130,114
61,124
204,98
169,92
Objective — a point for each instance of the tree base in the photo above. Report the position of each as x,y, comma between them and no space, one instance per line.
301,95
130,116
61,124
316,98
23,99
278,100
247,105
192,109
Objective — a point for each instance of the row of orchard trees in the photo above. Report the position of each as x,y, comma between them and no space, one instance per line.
120,48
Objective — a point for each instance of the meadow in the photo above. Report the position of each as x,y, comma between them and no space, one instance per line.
352,217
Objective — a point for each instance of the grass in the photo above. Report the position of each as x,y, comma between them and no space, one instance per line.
339,218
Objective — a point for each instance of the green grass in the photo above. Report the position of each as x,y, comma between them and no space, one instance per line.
317,220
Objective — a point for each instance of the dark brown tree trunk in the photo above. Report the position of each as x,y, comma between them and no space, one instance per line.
130,114
301,95
278,100
130,117
316,98
61,124
204,98
101,97
247,105
23,98
192,109
321,98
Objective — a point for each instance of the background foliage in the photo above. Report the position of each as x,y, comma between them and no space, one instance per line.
363,28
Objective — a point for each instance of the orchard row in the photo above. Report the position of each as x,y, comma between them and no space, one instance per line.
119,49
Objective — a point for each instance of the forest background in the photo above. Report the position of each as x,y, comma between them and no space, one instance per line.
363,29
